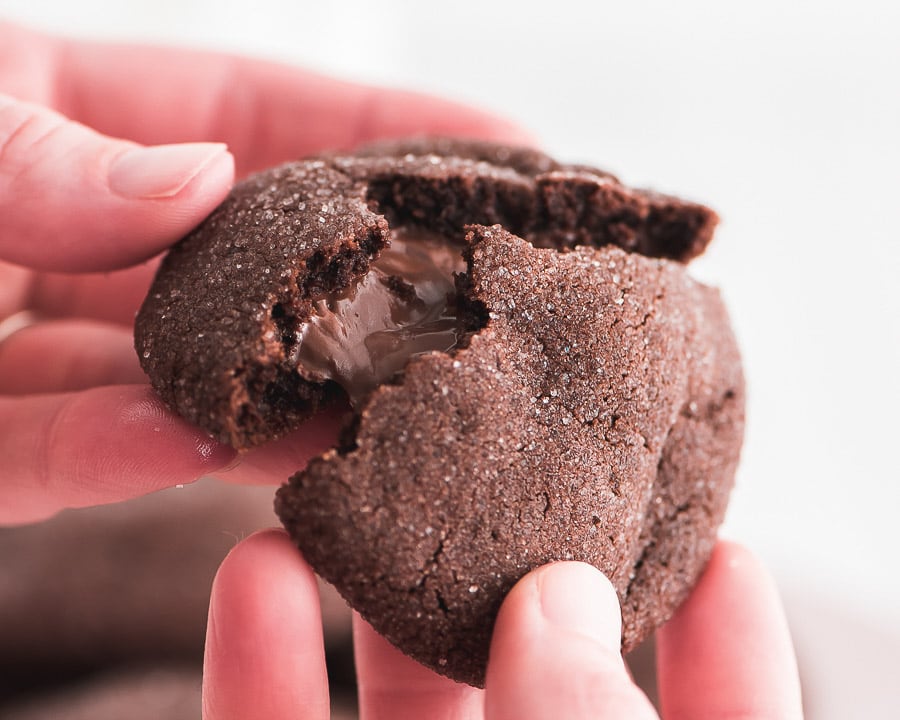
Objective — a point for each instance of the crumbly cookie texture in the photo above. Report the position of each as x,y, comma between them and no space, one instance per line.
590,407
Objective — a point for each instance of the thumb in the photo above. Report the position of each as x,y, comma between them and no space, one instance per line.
555,650
72,199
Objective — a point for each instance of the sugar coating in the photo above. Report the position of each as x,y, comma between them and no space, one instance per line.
592,410
573,427
216,333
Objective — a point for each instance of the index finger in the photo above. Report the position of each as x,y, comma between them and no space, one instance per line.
265,111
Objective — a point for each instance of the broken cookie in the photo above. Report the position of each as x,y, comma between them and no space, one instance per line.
533,377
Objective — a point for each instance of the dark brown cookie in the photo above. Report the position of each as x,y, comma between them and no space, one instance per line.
574,395
217,333
596,417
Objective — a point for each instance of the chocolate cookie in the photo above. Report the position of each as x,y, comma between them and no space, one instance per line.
218,333
533,374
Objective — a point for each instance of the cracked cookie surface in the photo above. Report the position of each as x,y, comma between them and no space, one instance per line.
216,331
565,430
592,409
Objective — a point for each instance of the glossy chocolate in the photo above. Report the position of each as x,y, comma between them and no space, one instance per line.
404,306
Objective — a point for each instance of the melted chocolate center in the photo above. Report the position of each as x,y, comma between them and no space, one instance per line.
404,306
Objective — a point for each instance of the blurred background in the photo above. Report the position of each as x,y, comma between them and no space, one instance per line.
784,117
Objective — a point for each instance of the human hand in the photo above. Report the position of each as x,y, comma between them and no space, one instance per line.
555,650
91,189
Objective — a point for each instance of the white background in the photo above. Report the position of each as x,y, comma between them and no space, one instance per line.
785,117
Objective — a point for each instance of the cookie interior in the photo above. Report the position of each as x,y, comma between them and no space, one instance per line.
361,335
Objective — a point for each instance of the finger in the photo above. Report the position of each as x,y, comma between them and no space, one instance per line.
27,64
98,446
265,656
274,462
112,296
74,200
391,685
266,112
15,287
727,652
555,650
67,355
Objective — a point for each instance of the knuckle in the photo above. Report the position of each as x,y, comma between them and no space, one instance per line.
23,129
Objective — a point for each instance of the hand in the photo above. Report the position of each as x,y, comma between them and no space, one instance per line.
91,189
555,650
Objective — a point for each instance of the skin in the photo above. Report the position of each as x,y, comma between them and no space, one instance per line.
97,180
555,649
91,191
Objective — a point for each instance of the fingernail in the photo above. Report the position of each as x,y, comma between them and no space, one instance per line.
578,598
160,171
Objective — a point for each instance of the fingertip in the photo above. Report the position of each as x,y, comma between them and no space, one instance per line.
142,413
255,572
264,652
274,542
556,649
727,651
561,600
502,130
163,192
576,597
480,125
265,559
731,557
74,200
734,576
211,184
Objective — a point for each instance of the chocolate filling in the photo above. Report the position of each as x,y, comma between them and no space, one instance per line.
363,335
